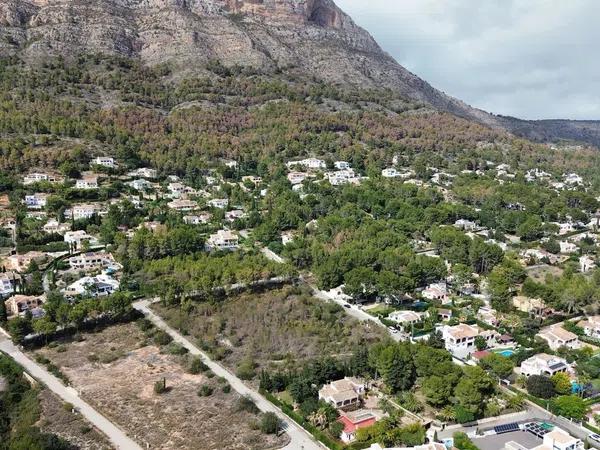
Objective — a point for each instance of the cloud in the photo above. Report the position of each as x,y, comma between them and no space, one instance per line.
526,58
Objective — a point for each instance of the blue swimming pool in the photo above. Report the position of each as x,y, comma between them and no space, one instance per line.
507,353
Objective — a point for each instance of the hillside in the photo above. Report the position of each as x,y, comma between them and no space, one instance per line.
310,38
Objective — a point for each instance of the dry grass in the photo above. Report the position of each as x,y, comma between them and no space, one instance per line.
123,389
275,328
56,418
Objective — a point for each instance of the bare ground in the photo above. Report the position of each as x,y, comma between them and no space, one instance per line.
122,388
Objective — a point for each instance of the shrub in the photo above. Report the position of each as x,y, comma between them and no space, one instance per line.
196,365
246,404
162,338
226,388
462,442
160,387
246,370
205,391
176,349
269,423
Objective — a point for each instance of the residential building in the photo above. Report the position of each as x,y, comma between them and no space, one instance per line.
183,205
220,203
437,291
460,339
153,226
179,190
8,283
353,421
572,179
105,161
92,261
466,225
389,173
556,337
197,219
140,184
344,393
586,264
223,240
405,317
87,181
444,314
83,211
21,263
38,177
544,364
296,177
488,316
567,247
231,216
98,286
430,446
557,439
78,238
19,304
54,227
341,165
533,306
144,172
309,163
36,201
252,179
591,326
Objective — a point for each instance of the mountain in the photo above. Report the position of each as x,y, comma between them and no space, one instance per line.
308,37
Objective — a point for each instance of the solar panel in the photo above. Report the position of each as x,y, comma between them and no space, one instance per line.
507,428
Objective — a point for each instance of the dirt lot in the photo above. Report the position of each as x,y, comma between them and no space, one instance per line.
279,328
539,273
115,370
57,419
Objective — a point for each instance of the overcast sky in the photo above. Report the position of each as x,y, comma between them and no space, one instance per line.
532,59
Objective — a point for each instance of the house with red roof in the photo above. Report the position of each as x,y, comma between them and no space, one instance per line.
354,421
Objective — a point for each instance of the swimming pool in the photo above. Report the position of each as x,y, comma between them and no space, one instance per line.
507,353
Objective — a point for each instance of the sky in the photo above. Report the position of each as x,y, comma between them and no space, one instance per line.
533,59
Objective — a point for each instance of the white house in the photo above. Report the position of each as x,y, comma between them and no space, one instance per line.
92,261
98,286
37,177
197,219
466,225
591,326
78,238
53,226
586,264
105,161
87,181
389,173
460,339
572,179
341,165
343,393
85,211
296,177
8,283
140,184
405,317
556,337
544,364
36,201
437,291
567,247
182,205
144,172
223,240
310,163
220,203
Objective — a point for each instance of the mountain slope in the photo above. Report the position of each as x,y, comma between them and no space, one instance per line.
309,37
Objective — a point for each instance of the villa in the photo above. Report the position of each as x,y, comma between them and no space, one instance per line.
343,393
223,240
19,304
556,337
544,364
591,326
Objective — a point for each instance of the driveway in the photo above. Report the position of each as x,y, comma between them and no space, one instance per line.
300,438
116,436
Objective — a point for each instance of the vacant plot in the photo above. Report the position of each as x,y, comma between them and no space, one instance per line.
116,371
57,418
540,272
279,328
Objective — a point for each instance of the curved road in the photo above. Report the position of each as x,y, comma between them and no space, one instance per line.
300,438
116,436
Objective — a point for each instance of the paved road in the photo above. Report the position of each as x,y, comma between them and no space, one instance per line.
118,438
300,439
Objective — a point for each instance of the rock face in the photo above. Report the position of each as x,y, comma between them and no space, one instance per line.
311,37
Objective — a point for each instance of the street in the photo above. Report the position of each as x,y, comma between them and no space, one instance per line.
116,436
300,438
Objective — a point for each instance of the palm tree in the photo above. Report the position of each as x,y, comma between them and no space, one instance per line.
447,414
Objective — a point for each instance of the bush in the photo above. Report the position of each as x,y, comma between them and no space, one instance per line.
160,387
226,389
162,338
463,415
196,365
205,391
269,423
176,349
462,442
246,404
540,386
246,370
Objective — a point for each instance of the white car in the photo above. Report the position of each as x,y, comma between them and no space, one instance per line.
595,437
